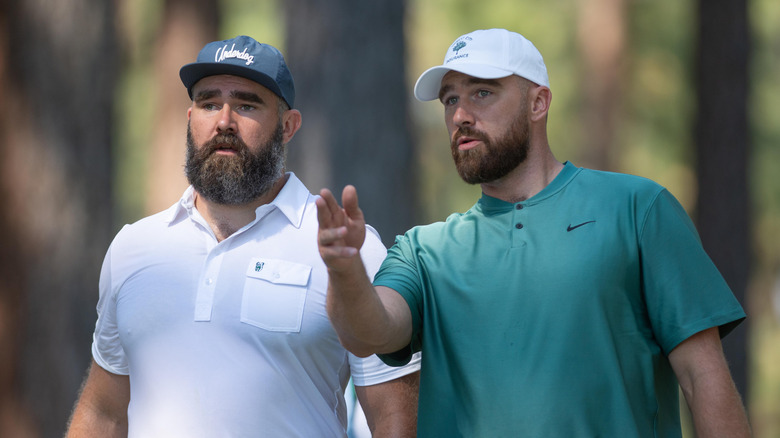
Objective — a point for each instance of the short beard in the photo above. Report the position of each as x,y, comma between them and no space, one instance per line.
238,179
497,158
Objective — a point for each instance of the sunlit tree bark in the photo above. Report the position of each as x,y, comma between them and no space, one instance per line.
602,41
57,76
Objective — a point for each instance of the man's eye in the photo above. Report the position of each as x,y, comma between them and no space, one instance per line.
449,101
209,107
483,93
246,107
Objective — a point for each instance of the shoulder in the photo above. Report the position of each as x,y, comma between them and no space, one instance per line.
145,229
624,182
613,188
435,229
438,235
138,241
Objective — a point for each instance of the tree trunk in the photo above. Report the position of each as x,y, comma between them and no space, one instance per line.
347,58
723,146
602,40
188,25
57,76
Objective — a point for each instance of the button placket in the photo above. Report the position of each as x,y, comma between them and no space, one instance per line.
204,300
518,225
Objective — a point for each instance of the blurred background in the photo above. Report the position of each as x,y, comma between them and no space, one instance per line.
93,116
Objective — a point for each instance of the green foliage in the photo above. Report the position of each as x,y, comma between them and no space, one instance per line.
133,106
660,97
764,112
262,20
139,22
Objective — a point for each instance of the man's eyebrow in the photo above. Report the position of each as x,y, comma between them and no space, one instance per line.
206,94
246,95
235,94
443,90
492,82
470,81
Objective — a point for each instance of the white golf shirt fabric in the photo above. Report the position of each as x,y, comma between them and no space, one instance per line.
230,338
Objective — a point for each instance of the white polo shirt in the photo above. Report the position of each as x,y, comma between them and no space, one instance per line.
231,338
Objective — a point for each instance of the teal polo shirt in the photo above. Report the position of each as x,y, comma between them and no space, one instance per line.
553,317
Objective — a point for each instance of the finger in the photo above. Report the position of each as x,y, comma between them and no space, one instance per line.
350,199
334,207
331,213
328,236
329,199
323,213
325,193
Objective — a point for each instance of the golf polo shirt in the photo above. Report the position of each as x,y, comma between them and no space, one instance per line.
230,338
553,317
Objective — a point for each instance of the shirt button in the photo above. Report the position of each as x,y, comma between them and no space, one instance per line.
518,225
209,281
519,206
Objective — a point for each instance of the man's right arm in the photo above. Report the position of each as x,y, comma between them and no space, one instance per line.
368,320
101,410
391,407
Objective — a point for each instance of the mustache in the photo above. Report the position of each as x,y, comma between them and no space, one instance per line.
468,131
224,141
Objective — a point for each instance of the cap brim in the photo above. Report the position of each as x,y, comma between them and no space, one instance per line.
429,83
190,74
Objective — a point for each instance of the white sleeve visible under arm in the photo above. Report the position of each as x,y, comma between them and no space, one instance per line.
106,347
372,371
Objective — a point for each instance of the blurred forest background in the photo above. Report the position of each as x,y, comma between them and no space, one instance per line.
92,128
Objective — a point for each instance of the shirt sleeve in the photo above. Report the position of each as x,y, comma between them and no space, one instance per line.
400,273
373,252
373,265
106,346
684,291
371,370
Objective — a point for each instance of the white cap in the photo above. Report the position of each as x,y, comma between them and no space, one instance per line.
485,54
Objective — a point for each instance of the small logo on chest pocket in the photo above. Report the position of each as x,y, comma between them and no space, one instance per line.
259,266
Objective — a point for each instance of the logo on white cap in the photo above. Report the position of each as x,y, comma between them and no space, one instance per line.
456,47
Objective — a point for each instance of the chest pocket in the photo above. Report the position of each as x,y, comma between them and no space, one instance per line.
275,294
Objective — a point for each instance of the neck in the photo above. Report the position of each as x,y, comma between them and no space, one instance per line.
527,179
225,220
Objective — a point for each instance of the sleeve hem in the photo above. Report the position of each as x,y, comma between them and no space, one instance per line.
122,371
725,323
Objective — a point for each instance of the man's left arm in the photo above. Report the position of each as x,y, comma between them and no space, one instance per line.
391,407
712,397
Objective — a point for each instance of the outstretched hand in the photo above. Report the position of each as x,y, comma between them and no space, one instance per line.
342,230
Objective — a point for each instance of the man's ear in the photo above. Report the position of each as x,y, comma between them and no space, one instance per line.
291,122
541,97
189,112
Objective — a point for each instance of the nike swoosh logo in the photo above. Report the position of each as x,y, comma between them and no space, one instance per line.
569,228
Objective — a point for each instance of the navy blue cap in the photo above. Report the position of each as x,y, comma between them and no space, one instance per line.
245,57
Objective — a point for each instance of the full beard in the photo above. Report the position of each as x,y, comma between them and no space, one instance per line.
234,179
497,158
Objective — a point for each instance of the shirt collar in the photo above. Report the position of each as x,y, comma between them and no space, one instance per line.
490,205
291,201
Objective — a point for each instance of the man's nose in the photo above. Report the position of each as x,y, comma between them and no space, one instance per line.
462,116
226,122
